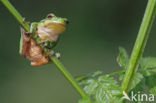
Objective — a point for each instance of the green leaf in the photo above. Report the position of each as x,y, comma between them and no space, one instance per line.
123,58
149,72
148,66
91,87
153,90
138,77
136,80
140,87
121,76
81,79
94,74
153,70
151,83
149,62
103,89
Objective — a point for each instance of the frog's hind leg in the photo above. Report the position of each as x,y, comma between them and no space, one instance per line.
37,56
42,61
24,42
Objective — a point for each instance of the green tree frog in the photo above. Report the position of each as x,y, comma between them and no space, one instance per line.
43,34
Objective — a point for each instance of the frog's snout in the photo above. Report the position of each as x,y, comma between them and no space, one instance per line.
66,21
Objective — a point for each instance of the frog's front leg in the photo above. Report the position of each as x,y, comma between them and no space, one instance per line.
34,35
48,44
33,28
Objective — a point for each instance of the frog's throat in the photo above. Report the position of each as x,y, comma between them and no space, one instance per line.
50,33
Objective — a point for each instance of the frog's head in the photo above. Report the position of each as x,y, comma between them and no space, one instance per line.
52,26
54,19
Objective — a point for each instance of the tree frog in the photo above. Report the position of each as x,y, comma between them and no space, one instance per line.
43,34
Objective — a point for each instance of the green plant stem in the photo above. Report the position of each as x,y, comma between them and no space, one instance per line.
139,44
59,65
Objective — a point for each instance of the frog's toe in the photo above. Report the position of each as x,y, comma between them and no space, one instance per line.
58,55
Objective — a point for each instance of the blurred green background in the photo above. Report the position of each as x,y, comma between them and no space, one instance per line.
97,28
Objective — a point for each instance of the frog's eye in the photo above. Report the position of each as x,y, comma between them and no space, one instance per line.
66,21
49,16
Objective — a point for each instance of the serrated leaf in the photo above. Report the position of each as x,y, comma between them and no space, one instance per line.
94,74
123,58
136,80
153,70
149,72
150,81
90,89
107,90
148,65
140,87
146,72
103,89
121,76
82,78
149,62
153,90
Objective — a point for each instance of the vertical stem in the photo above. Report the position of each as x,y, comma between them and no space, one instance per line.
140,44
59,65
